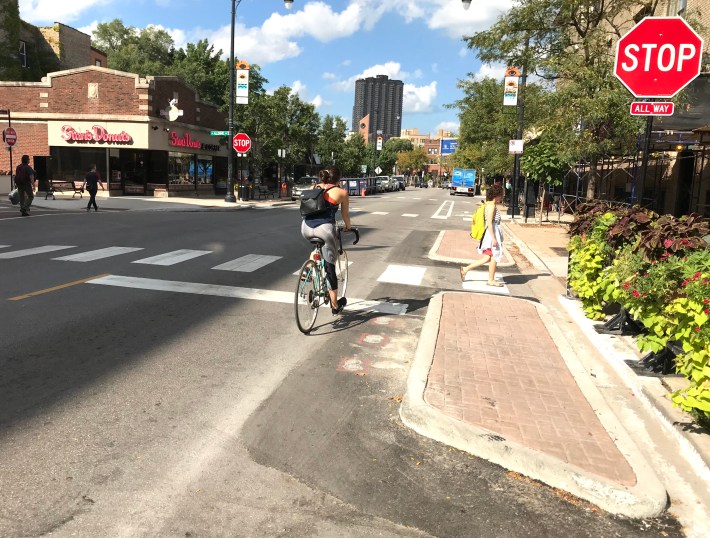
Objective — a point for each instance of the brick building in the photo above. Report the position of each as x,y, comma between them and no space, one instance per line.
120,122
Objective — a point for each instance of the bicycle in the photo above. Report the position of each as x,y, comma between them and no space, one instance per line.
312,287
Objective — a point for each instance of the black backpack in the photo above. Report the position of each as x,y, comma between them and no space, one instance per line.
313,202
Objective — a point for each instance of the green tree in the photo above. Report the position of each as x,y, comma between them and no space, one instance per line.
331,139
387,158
413,161
354,155
575,54
148,51
201,67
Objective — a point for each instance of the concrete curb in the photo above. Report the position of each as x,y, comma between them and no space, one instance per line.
619,354
647,498
533,258
438,257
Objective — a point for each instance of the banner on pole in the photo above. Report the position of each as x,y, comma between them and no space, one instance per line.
510,91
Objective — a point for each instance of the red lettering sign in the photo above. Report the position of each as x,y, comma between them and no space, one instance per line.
97,134
185,141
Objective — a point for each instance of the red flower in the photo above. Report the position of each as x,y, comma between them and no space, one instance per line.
636,294
707,310
696,275
667,243
697,329
626,285
685,282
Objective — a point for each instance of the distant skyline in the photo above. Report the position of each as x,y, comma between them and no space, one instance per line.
320,48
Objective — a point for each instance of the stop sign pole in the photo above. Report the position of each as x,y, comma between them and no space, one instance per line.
9,125
657,58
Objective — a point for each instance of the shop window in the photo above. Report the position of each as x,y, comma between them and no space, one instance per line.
181,168
205,175
23,54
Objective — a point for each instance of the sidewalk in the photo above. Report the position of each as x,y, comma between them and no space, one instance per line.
497,377
143,203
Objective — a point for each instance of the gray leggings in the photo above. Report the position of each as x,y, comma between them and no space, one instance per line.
326,232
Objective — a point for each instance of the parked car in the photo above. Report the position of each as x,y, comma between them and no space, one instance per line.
382,183
400,182
302,184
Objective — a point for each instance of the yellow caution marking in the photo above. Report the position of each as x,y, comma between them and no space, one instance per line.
55,288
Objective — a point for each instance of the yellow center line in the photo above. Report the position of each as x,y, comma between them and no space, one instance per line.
55,288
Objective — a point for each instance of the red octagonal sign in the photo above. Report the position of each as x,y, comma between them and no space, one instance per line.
241,142
658,57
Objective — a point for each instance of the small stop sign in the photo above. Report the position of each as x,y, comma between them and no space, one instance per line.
9,136
241,142
658,57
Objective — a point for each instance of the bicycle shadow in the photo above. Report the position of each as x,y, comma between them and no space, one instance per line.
346,320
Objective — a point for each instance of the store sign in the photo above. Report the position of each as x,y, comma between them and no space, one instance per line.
96,134
186,141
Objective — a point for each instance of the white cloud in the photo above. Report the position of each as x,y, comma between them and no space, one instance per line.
317,101
496,71
49,11
392,69
451,126
329,76
419,98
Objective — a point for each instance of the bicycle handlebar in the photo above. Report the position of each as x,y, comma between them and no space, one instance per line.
353,230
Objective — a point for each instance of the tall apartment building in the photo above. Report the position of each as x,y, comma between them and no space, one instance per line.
381,98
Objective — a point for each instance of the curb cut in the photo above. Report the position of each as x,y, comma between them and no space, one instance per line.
432,255
533,258
647,498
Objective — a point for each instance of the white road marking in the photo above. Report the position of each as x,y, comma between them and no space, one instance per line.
4,246
274,296
447,207
409,215
415,198
97,254
171,258
410,275
248,263
380,213
476,281
31,251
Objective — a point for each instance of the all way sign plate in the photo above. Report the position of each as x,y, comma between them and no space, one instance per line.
649,108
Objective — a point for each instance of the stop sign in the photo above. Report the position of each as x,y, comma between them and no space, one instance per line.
9,136
658,57
241,142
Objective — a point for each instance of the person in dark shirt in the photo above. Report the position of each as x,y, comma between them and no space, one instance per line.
91,182
25,182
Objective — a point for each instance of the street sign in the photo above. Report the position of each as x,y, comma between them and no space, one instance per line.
448,146
219,133
652,108
9,136
378,170
515,147
241,142
658,57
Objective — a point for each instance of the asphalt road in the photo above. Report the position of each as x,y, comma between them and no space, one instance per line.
171,397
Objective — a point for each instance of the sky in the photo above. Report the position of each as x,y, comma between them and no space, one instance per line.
320,47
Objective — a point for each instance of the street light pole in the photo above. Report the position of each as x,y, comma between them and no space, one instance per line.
230,161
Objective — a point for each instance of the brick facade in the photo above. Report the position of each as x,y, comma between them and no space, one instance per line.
105,96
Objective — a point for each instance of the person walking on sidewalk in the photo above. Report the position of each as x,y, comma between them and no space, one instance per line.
25,182
491,246
91,182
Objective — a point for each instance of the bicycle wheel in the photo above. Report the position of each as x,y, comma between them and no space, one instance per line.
341,270
306,301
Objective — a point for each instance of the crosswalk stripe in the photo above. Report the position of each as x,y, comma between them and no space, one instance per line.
298,272
409,215
446,207
4,246
411,275
97,254
248,263
171,258
238,293
380,213
31,251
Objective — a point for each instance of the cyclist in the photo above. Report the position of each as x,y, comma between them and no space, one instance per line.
322,226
